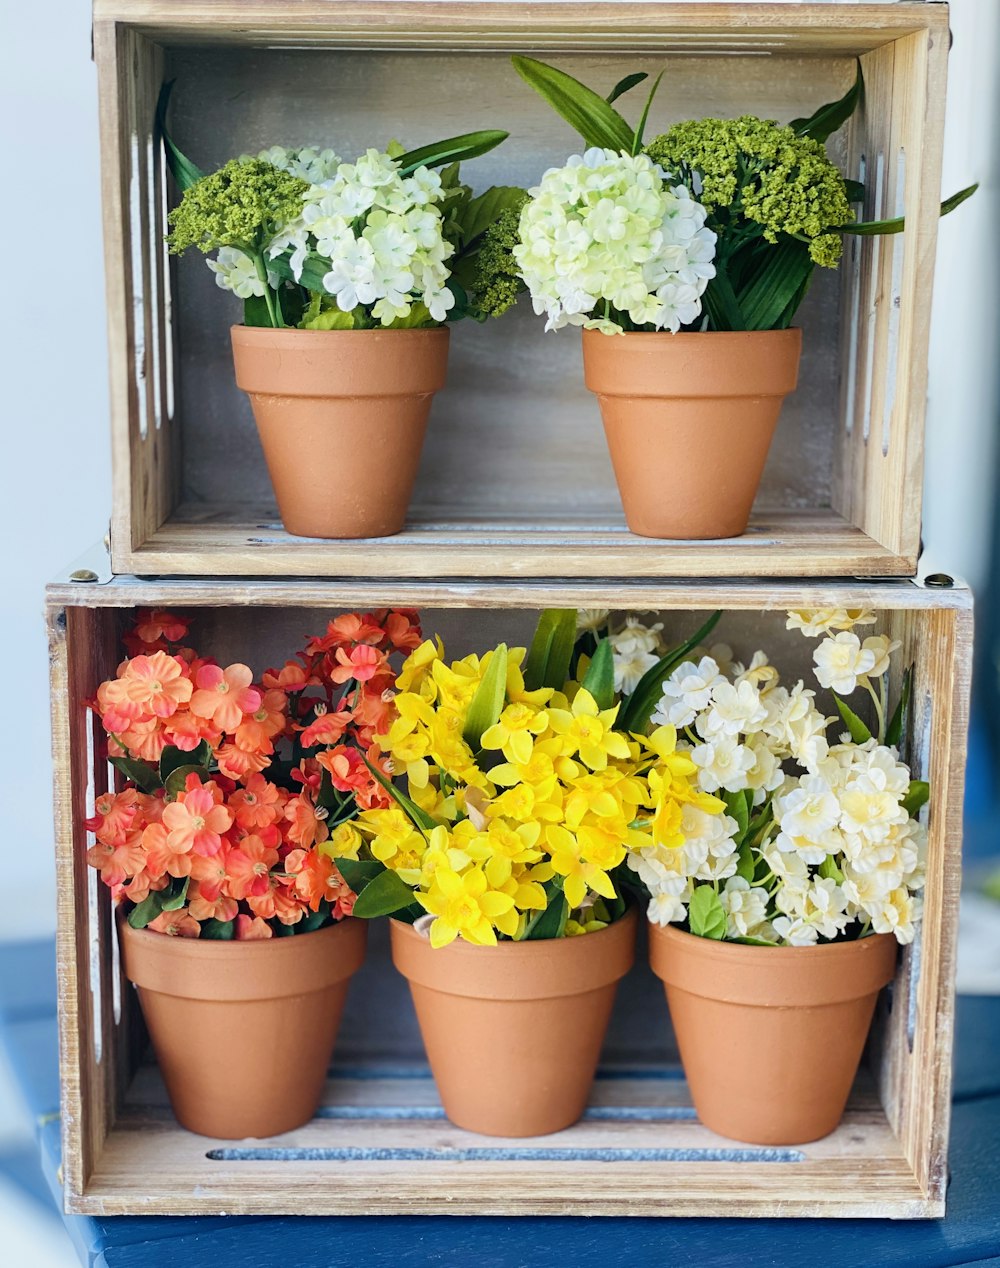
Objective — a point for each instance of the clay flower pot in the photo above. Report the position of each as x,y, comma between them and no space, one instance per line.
513,1032
341,416
243,1031
770,1037
689,420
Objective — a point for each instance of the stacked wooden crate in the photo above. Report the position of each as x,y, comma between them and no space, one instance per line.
515,510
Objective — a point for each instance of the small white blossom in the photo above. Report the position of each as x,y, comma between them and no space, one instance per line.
235,271
686,692
733,710
745,907
723,763
590,620
841,661
634,651
818,621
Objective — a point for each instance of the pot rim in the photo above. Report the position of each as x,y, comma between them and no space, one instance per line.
724,947
701,336
260,333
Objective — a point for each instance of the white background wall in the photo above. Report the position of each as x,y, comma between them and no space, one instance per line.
54,400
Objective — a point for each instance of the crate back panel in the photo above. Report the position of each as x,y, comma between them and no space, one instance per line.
114,1111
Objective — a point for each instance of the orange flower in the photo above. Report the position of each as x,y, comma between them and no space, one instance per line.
292,677
361,664
277,903
186,731
225,695
195,821
143,739
250,928
403,629
248,867
315,877
165,856
176,924
305,827
157,683
120,861
374,712
238,763
326,729
257,804
346,768
204,908
114,814
152,624
210,872
256,731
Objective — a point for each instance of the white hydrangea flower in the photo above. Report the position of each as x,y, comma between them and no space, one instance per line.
813,622
608,227
686,692
841,661
745,907
308,163
634,650
235,271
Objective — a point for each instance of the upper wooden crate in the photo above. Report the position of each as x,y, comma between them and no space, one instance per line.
516,479
379,1143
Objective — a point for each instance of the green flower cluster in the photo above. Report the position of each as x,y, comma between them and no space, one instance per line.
497,282
241,205
764,173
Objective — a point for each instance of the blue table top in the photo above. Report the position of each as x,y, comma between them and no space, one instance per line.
969,1235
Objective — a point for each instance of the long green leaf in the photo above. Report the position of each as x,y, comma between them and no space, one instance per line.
766,299
551,650
625,84
599,679
720,302
827,119
872,228
456,149
897,723
597,122
184,172
641,125
420,818
386,894
859,732
855,191
487,704
635,712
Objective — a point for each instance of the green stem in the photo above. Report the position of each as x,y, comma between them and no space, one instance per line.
879,710
270,299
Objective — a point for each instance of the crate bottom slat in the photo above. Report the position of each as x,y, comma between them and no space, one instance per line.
210,539
380,1145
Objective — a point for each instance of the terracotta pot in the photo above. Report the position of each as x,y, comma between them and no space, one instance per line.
243,1031
341,416
689,420
513,1032
770,1037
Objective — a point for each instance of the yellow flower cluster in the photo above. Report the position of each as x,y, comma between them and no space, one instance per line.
554,797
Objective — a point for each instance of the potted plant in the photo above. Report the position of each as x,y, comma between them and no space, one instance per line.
350,273
529,782
698,247
234,921
774,930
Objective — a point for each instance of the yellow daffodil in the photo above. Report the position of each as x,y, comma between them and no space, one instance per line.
514,730
587,730
579,874
415,674
464,906
344,842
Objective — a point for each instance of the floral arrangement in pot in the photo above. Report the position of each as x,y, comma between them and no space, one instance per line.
698,247
778,925
235,922
530,782
350,273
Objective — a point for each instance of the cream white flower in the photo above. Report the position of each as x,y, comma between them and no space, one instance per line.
609,227
686,692
819,907
881,647
234,271
666,908
734,709
634,651
813,622
898,915
808,816
745,907
723,763
590,620
841,661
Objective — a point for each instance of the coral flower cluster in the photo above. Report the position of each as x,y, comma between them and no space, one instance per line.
516,829
238,794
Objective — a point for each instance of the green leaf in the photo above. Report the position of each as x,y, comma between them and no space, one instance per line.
255,312
330,319
858,730
455,149
625,84
417,318
747,865
720,302
172,759
314,920
146,911
641,125
636,710
184,172
174,896
766,300
897,723
869,228
314,269
599,679
144,776
918,795
550,923
829,870
597,122
359,872
421,819
827,119
487,704
706,916
178,778
218,930
738,809
551,650
855,191
476,216
752,942
387,893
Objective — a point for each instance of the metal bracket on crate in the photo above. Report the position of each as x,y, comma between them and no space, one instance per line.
91,568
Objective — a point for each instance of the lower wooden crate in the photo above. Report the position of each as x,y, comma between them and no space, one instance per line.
380,1144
